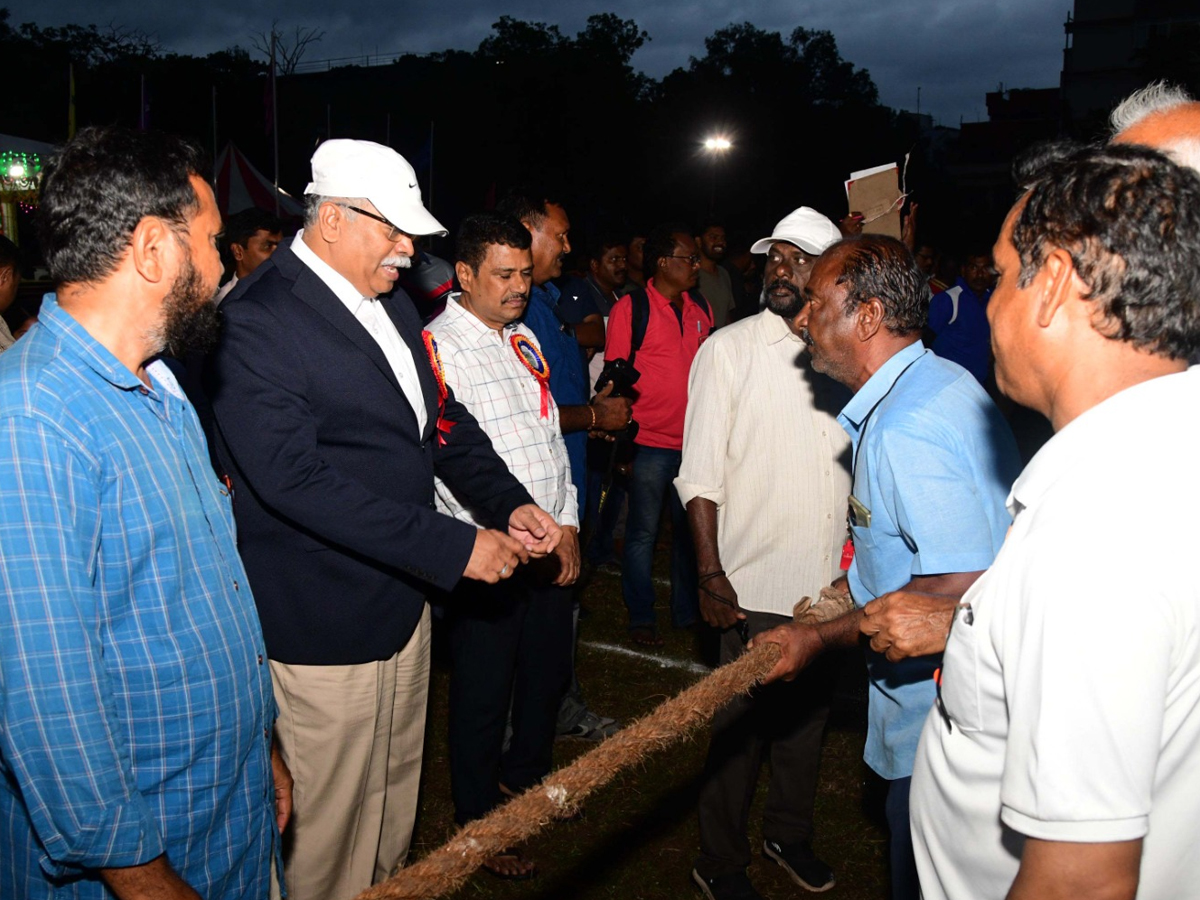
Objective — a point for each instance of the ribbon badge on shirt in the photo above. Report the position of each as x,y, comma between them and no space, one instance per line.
531,357
439,374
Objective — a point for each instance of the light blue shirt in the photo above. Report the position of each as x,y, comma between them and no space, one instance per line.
934,463
135,699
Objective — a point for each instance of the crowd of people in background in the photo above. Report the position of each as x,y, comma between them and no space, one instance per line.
238,495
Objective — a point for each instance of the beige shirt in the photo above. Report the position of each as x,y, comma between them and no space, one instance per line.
761,441
6,338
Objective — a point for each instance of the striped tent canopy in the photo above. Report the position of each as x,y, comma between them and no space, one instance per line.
239,186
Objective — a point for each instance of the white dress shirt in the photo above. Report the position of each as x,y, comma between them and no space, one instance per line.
1071,674
373,317
225,289
762,442
489,379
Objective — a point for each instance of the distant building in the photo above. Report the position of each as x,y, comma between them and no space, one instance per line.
1105,55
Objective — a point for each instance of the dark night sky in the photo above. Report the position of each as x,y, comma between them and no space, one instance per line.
954,50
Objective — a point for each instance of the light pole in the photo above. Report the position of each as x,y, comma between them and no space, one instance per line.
716,146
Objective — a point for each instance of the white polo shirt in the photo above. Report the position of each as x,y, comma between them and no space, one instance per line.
1073,685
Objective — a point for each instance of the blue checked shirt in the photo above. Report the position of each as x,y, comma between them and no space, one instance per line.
135,705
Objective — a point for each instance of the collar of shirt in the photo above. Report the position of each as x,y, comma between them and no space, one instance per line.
547,293
609,297
982,299
773,329
461,319
657,298
334,280
1093,428
878,385
94,354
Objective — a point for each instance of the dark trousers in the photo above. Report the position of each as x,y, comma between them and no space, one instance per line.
782,721
905,883
509,641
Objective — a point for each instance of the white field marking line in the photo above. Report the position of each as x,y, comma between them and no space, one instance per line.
657,579
663,662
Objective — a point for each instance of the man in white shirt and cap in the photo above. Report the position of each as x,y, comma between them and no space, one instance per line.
333,417
765,480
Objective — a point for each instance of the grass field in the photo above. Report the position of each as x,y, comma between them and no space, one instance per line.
638,836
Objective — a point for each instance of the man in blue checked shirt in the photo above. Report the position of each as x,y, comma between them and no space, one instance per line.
135,702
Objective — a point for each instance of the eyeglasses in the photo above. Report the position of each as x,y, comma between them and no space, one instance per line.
694,259
968,617
394,235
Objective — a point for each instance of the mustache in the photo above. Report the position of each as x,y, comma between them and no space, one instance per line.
787,285
806,337
400,262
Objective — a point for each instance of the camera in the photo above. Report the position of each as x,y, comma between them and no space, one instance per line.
622,376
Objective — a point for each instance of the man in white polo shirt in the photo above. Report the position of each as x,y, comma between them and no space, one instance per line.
1061,758
765,479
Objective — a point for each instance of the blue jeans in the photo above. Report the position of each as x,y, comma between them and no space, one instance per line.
654,470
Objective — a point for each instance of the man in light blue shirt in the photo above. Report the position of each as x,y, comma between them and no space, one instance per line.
135,701
933,461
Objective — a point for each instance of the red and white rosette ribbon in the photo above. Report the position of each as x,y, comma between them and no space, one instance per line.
531,357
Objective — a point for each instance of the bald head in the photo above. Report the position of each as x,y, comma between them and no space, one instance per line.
1163,117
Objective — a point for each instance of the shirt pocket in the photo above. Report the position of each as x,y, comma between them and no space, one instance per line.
960,692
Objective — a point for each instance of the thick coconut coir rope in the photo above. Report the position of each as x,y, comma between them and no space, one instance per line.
562,793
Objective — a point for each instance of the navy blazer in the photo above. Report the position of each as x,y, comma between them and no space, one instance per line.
333,484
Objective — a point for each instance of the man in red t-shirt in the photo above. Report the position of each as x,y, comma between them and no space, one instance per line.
676,328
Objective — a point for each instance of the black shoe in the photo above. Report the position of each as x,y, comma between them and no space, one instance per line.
799,861
734,886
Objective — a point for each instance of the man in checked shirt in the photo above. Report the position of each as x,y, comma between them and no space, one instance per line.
513,639
135,699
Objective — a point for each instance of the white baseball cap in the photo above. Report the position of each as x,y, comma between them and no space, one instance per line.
804,227
345,168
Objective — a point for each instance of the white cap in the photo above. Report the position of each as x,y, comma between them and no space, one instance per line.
804,227
344,168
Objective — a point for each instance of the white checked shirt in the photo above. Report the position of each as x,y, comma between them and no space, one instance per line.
373,317
489,378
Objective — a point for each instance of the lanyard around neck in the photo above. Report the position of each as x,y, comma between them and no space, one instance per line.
862,429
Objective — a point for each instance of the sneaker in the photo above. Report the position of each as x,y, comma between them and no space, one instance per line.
592,728
799,861
734,886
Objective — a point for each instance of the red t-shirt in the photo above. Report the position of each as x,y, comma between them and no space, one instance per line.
664,361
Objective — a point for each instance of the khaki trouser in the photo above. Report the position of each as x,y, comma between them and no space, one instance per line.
352,737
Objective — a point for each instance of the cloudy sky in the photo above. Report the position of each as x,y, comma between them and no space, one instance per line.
953,50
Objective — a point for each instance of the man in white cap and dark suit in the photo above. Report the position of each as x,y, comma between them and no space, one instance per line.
764,479
332,419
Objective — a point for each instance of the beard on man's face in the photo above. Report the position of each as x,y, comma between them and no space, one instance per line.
191,319
783,298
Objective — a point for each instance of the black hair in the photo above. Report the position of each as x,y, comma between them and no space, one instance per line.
10,255
660,243
478,232
527,204
242,226
875,265
1130,219
705,224
604,242
97,189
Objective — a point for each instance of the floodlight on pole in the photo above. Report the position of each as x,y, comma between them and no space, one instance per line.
716,147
